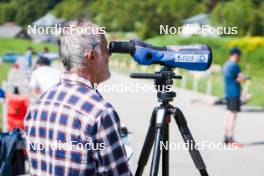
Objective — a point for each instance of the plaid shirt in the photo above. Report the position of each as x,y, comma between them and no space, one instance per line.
71,130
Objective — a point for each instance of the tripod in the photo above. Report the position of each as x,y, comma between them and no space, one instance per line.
158,131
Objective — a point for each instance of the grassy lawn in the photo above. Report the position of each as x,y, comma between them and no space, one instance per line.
257,89
20,46
4,68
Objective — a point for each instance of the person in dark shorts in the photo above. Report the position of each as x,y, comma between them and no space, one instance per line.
232,79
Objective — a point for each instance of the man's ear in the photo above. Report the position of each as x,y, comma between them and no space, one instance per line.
90,55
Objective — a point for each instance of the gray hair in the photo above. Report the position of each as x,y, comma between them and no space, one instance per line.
74,44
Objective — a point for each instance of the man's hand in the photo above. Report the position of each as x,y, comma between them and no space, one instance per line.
241,78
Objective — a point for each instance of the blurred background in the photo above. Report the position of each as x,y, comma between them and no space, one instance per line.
142,19
130,19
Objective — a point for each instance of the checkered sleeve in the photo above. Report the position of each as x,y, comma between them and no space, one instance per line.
112,159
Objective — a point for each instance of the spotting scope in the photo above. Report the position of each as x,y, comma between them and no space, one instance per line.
195,57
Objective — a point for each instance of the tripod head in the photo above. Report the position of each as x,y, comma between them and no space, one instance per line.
163,81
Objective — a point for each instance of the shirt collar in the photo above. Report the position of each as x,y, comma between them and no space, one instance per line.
71,77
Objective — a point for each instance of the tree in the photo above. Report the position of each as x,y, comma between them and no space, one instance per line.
235,13
69,9
24,12
8,12
143,16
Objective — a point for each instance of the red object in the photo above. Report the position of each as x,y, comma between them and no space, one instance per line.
16,66
16,110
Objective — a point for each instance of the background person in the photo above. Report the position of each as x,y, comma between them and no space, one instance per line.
49,55
27,63
44,77
74,113
45,50
232,79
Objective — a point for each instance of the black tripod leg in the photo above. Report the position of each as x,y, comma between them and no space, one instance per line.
188,139
165,152
156,153
162,113
149,140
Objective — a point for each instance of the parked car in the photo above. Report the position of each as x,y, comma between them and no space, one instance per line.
10,57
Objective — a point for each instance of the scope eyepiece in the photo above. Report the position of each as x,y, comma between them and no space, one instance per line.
122,47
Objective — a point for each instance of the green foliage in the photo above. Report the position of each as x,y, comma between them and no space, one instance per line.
29,12
24,12
115,15
7,11
70,9
246,15
145,17
249,44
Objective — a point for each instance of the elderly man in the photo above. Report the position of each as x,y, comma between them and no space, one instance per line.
71,129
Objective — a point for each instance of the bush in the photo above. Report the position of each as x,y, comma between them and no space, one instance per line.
249,44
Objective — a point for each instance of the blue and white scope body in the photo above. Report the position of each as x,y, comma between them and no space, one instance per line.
191,57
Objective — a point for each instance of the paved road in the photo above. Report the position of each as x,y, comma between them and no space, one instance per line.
206,124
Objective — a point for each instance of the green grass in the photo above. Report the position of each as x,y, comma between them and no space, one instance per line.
20,46
4,68
257,88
